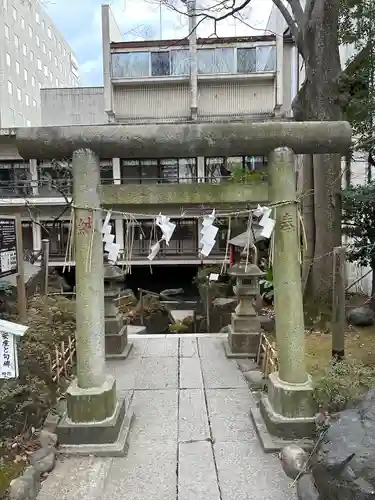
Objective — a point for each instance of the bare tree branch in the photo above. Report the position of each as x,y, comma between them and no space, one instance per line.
292,24
309,7
297,11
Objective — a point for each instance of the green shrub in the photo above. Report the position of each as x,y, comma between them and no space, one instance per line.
25,401
341,382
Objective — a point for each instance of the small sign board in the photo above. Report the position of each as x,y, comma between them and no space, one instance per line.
8,246
9,332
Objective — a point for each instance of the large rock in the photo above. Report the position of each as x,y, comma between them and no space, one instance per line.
293,459
344,465
361,316
306,489
221,312
43,460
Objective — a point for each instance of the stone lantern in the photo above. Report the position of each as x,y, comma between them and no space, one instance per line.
245,328
116,334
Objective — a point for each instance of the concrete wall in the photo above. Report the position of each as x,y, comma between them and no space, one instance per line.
220,98
74,106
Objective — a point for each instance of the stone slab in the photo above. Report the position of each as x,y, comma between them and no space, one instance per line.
125,372
180,315
117,449
157,373
136,330
190,373
246,472
79,477
167,348
235,405
221,373
122,355
156,413
197,477
188,348
211,347
147,473
193,419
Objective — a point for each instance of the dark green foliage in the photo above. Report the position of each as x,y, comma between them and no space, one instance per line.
359,219
25,401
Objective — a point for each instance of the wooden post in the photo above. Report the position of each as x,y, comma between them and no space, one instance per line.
141,306
208,323
45,260
338,304
21,290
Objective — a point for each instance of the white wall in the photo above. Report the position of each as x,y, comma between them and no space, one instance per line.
75,106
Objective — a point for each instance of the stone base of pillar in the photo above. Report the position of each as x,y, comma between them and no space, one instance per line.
288,410
95,422
113,324
241,344
117,345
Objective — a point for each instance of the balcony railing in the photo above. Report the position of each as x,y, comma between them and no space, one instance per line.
164,254
64,187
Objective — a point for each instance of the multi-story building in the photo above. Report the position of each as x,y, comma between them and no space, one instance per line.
237,79
33,55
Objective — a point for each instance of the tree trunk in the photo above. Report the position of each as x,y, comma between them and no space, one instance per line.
319,99
308,220
372,298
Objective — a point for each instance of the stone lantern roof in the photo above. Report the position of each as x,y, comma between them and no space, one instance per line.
241,270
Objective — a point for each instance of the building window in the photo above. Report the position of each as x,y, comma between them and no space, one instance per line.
44,48
180,62
19,94
130,65
213,61
10,87
22,23
51,76
57,83
27,100
34,103
14,13
8,60
24,49
55,40
16,41
61,67
160,65
45,70
31,56
25,75
56,63
39,62
6,31
17,67
31,31
21,119
256,59
28,123
64,52
49,32
5,4
12,116
43,25
50,54
33,81
60,47
37,17
37,41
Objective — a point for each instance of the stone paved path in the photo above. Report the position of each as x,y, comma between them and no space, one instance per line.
191,439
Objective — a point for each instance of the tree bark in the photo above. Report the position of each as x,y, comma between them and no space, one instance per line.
319,99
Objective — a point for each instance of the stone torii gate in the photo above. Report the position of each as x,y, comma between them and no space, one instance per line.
96,421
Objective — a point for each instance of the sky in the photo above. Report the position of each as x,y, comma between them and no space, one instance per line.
79,21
